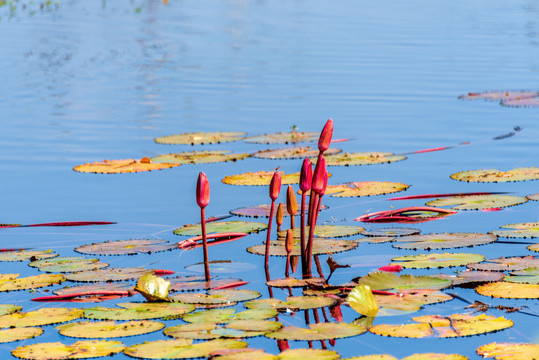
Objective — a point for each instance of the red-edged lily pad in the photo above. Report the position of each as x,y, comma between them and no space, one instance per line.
222,227
299,152
499,95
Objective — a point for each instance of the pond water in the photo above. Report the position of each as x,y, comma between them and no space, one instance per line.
84,81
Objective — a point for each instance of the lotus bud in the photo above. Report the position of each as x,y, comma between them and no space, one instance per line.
280,215
289,244
318,176
291,202
306,175
275,186
203,190
325,136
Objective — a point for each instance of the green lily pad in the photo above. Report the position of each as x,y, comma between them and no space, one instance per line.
362,158
320,246
455,325
388,281
527,276
79,350
196,138
126,247
264,326
67,264
181,348
469,277
478,202
224,316
16,334
292,137
365,188
533,247
521,230
122,166
24,255
442,241
376,239
217,296
411,300
108,328
109,274
305,302
390,232
200,331
267,303
260,178
198,157
509,290
139,311
499,95
493,175
299,152
222,226
43,316
196,282
436,260
506,264
12,282
326,231
321,331
6,309
509,351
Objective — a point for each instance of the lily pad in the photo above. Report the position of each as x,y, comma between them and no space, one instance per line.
413,214
255,211
153,288
528,276
509,290
478,202
521,102
291,282
266,303
521,230
122,166
442,241
200,331
327,231
16,334
435,356
493,175
24,255
6,309
126,247
533,247
102,286
224,316
261,178
222,266
198,157
362,300
109,274
534,197
499,95
411,300
456,325
363,158
321,331
365,188
313,354
292,137
43,316
299,152
79,350
264,326
470,277
67,264
217,296
506,264
390,232
388,281
12,282
139,311
181,348
108,329
436,260
509,351
305,302
196,282
222,226
320,246
196,138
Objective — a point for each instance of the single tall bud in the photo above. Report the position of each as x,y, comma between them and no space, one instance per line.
275,186
203,190
318,176
325,136
291,202
306,175
289,244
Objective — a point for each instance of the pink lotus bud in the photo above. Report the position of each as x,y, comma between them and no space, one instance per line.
306,175
325,136
203,190
318,175
289,244
391,268
280,215
275,186
291,202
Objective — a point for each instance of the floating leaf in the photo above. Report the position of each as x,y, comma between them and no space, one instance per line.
365,188
67,264
493,175
534,197
196,138
262,178
390,232
528,276
198,157
509,290
382,280
200,331
478,202
413,214
362,300
122,166
442,241
153,288
139,311
12,282
509,351
255,211
6,309
327,231
469,277
313,354
373,357
521,102
455,325
79,350
222,226
534,247
43,316
305,302
108,329
189,283
217,296
362,158
264,326
299,152
321,331
437,260
181,348
16,334
320,246
291,137
435,356
268,303
126,247
411,300
23,255
223,316
109,274
105,286
522,230
499,95
506,264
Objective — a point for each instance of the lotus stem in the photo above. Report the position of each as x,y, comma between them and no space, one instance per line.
268,235
274,190
205,245
203,199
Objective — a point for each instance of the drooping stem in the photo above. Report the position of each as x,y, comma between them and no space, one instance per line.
205,245
266,258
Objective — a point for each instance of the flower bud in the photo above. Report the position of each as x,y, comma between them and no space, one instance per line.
291,202
320,174
289,244
306,175
275,186
325,136
203,190
280,215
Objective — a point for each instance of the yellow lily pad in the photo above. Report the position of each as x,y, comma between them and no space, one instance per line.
363,158
79,350
43,316
362,300
198,157
435,356
262,178
217,296
382,280
321,331
109,328
305,302
12,282
181,348
493,175
365,188
478,202
222,226
153,288
509,290
533,247
16,334
126,247
320,246
373,357
326,231
139,311
108,274
509,351
521,230
122,166
436,260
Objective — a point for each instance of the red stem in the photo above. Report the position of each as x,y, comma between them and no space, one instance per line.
266,258
205,245
314,218
302,235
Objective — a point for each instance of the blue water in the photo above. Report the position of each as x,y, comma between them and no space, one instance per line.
87,81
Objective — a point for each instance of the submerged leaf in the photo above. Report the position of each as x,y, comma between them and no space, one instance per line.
493,175
108,329
126,247
509,290
198,157
78,350
362,300
521,230
478,202
442,241
153,288
437,260
122,166
363,158
222,226
509,351
196,138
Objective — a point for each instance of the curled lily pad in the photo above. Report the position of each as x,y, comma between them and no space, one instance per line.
261,178
43,316
196,282
321,331
436,260
388,281
255,211
122,166
469,277
327,231
478,202
299,152
217,296
362,300
528,276
16,334
521,230
305,302
390,232
67,264
196,138
198,157
442,241
499,95
509,351
506,264
435,356
153,288
78,350
320,246
108,328
12,282
493,175
126,247
139,311
509,290
180,348
362,158
291,137
455,325
23,255
222,226
365,188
